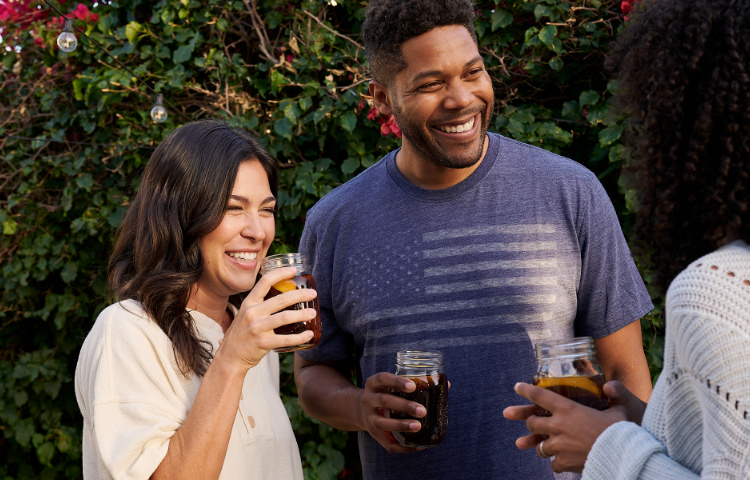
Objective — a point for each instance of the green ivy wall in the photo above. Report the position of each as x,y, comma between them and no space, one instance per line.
75,134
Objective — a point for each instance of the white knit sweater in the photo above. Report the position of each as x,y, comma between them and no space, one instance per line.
697,424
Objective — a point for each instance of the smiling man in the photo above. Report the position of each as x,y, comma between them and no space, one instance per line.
461,241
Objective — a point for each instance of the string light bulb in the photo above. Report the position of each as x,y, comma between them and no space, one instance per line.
159,113
67,41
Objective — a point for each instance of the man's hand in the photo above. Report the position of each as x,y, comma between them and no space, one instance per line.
569,433
619,395
376,403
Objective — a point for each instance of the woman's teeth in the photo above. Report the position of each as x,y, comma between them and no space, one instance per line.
458,128
244,256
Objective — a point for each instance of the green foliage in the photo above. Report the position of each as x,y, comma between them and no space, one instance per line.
293,73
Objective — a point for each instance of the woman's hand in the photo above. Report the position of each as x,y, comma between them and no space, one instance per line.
568,434
250,336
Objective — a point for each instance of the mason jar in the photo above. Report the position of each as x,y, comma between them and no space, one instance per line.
426,370
302,279
569,368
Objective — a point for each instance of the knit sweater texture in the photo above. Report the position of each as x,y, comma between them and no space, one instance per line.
697,424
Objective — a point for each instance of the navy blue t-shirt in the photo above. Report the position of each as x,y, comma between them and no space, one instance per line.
527,248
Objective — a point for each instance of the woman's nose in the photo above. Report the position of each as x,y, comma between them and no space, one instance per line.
253,228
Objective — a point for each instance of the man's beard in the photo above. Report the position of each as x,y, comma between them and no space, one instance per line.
420,137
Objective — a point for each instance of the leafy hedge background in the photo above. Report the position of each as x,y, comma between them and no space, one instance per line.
75,133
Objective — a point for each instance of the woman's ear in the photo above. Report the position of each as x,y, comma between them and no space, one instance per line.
380,97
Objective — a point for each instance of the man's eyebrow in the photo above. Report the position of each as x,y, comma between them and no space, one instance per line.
437,73
246,201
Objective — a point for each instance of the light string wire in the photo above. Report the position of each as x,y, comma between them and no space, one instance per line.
100,47
73,142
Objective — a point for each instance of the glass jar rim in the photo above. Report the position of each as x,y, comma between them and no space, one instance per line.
419,358
569,346
282,260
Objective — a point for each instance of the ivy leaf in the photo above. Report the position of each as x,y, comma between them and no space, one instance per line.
131,31
610,135
45,453
69,272
9,227
20,398
182,54
283,127
548,34
541,11
588,97
501,19
348,121
305,103
556,64
9,59
350,165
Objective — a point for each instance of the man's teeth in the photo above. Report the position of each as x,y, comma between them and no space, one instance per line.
458,128
244,256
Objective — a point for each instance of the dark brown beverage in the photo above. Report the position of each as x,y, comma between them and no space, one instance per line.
432,393
584,390
300,281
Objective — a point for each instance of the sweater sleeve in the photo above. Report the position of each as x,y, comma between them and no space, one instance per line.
626,451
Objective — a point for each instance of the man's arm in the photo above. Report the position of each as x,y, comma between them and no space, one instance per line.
621,357
327,394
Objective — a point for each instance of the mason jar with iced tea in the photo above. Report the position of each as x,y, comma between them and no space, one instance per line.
426,370
569,368
302,279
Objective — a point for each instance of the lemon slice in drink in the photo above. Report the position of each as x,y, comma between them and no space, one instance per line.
285,286
584,383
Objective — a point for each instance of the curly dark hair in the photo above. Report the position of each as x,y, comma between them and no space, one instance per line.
683,70
183,196
389,23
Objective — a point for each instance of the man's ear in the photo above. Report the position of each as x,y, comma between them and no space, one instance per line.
380,97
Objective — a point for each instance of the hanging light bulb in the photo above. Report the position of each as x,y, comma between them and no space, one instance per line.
159,113
67,41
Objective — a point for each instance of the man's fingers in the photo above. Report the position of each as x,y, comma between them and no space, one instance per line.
385,381
529,441
519,412
544,398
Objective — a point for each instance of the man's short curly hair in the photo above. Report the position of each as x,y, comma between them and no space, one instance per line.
389,23
683,68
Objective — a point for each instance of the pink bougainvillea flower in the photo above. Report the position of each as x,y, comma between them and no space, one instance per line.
361,105
388,126
373,113
93,17
626,7
289,58
81,12
39,41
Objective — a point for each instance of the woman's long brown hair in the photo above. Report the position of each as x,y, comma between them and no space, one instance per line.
182,197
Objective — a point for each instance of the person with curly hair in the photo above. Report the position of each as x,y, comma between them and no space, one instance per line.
461,241
684,79
178,378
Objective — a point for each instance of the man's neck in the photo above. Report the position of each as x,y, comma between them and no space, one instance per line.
426,174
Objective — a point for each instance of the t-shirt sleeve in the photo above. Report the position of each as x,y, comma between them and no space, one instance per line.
335,344
130,395
611,293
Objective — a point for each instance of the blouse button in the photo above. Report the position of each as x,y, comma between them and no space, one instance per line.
251,421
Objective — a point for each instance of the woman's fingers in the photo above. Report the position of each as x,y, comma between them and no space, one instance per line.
263,286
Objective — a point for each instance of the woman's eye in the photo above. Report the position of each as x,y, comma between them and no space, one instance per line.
234,208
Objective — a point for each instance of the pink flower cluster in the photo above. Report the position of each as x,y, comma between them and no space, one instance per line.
388,124
627,6
24,13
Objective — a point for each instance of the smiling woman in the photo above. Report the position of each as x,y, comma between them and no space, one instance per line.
177,379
